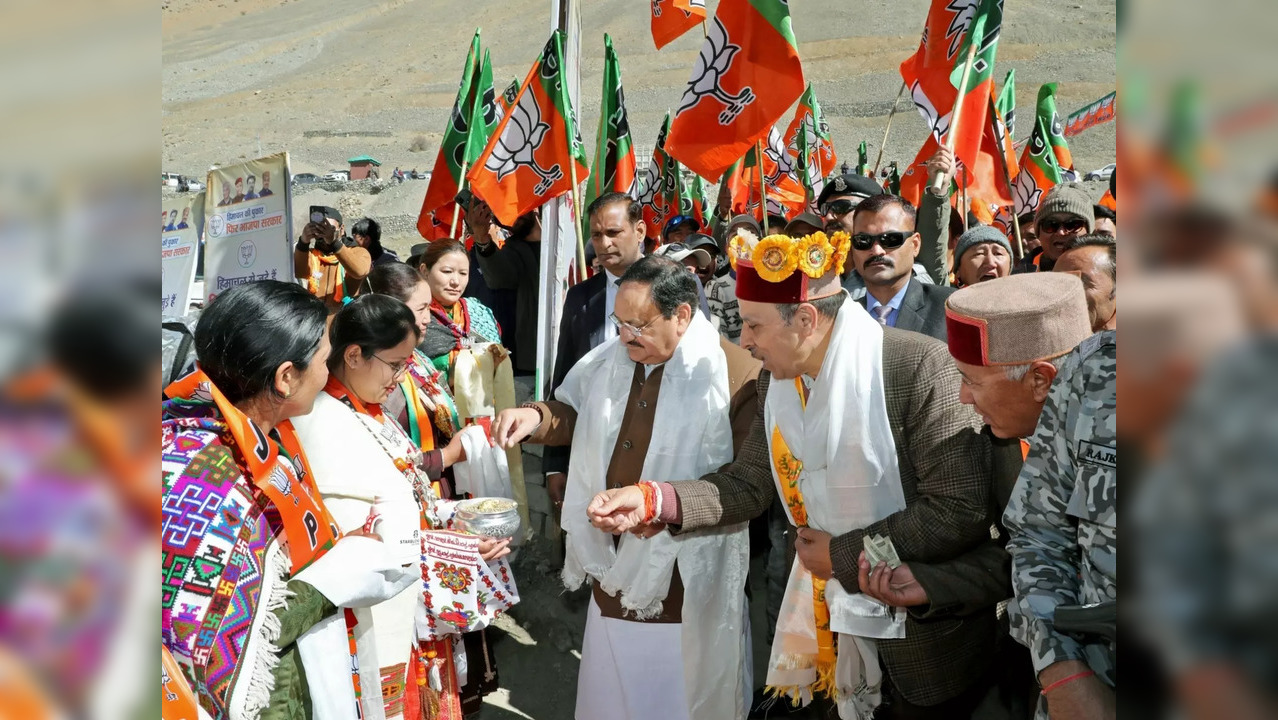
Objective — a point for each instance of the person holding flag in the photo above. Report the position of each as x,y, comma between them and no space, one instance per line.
950,79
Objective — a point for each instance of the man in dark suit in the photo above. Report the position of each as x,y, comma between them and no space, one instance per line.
616,235
942,667
884,247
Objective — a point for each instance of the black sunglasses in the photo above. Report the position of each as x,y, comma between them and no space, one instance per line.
838,207
1052,225
888,240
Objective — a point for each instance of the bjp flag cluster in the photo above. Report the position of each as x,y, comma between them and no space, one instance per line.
1047,159
672,18
934,75
808,142
650,188
530,157
746,77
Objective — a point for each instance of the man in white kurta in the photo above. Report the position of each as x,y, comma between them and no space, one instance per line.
666,635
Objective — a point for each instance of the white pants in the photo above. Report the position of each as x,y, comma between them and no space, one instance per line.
634,671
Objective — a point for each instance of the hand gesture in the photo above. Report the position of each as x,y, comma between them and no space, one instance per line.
618,510
514,424
813,548
940,163
491,549
892,587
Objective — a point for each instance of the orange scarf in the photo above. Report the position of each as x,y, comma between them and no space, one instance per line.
309,530
788,468
317,262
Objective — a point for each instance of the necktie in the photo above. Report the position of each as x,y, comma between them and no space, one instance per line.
881,313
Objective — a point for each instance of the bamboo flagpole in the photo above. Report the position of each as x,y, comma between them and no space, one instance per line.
576,217
888,129
1007,178
452,229
952,135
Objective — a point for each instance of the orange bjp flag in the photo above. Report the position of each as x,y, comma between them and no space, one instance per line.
672,18
526,162
746,77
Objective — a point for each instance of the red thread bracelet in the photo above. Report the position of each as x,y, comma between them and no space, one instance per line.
1062,681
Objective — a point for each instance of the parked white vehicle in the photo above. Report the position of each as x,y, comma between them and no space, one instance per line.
1102,174
339,176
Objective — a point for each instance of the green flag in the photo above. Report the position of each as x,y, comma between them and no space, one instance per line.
894,179
484,114
614,163
446,177
862,159
1006,104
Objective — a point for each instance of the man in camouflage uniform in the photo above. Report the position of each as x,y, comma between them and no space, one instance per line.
1062,520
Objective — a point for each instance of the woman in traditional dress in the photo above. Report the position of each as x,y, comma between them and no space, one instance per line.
463,341
422,404
254,568
457,323
366,467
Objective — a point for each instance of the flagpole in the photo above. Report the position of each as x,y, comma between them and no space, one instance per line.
1007,178
763,189
963,199
576,219
452,229
887,129
952,136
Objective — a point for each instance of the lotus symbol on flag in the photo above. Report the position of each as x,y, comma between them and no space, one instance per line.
647,186
712,64
524,133
1025,192
964,11
940,124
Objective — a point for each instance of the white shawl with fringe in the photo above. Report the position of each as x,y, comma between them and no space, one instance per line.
691,436
850,478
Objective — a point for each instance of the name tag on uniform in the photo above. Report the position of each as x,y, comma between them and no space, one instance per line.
1098,454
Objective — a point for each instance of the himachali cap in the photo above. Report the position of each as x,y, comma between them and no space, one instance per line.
1017,319
782,270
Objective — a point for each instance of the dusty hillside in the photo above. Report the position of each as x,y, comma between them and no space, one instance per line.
327,79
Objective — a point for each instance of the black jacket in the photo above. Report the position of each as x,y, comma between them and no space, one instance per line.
922,309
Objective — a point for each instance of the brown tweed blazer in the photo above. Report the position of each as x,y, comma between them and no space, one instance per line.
945,475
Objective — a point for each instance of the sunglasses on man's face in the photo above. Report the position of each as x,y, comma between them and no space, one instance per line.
887,241
1053,225
838,207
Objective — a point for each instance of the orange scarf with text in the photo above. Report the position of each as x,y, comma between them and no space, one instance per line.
309,530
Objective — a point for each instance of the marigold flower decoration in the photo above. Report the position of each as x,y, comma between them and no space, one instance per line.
842,244
815,254
775,258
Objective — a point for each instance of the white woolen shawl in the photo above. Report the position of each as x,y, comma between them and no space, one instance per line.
850,479
691,436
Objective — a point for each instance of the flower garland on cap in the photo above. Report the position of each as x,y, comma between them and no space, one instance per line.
777,257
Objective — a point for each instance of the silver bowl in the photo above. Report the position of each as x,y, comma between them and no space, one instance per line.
493,517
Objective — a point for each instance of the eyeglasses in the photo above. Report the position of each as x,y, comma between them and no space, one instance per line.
888,240
838,207
1053,225
636,331
397,369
